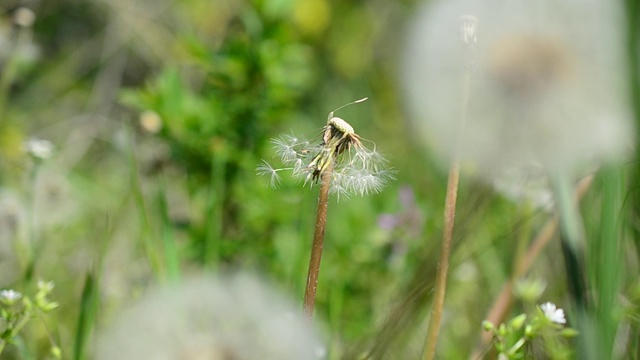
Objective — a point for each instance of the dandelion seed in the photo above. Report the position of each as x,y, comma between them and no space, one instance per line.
267,170
286,149
553,313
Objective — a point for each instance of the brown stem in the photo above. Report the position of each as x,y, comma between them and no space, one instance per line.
318,242
443,264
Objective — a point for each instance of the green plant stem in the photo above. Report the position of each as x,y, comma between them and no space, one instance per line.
215,205
10,70
318,242
606,265
443,264
17,327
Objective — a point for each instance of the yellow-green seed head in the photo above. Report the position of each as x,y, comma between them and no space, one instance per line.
341,125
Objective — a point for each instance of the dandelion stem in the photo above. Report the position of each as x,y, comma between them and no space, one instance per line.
443,263
318,242
433,330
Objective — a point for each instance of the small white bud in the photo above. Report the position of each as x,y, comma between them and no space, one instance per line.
39,148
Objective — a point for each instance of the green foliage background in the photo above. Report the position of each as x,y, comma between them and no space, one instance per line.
119,208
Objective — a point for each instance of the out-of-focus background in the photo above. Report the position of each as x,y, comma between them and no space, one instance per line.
160,111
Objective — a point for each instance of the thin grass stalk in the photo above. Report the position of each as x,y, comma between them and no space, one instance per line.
33,249
10,70
215,204
433,330
170,250
443,264
318,242
86,320
606,259
146,231
572,239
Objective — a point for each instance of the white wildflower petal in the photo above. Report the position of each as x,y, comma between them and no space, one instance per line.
553,313
39,148
9,296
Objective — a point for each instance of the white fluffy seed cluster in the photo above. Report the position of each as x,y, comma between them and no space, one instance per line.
547,83
222,317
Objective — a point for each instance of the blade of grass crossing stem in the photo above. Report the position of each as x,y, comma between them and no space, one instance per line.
572,241
572,238
608,264
215,203
170,250
86,320
146,233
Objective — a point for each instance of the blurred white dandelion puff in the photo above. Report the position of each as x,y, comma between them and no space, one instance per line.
356,169
547,83
233,317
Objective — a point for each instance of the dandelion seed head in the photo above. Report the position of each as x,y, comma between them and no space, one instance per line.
544,87
341,125
356,169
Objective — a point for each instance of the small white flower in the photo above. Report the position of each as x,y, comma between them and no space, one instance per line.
10,296
553,313
39,148
45,286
